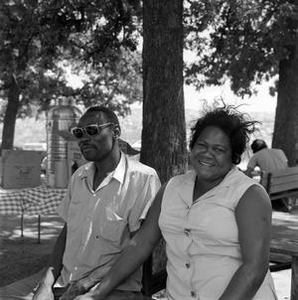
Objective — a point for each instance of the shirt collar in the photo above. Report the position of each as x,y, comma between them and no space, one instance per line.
189,181
118,173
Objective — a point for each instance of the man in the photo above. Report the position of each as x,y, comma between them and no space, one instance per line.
268,160
106,201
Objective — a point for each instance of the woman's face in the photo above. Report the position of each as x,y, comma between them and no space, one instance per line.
211,156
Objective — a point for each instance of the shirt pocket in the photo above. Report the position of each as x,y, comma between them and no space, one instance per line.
112,226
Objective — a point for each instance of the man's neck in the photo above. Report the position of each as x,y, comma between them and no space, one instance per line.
104,167
109,164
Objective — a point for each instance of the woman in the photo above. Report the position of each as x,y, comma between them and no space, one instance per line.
215,221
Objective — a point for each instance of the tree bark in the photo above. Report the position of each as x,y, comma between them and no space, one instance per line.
10,115
285,135
163,133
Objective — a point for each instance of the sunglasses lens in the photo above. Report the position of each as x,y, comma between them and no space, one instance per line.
92,129
77,132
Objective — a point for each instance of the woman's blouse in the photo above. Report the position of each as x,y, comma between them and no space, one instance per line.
202,237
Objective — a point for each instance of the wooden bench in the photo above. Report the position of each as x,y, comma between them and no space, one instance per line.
281,184
289,247
284,240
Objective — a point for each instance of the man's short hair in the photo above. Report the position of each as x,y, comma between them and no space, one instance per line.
258,145
109,114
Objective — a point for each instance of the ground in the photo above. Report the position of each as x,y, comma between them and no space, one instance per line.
23,256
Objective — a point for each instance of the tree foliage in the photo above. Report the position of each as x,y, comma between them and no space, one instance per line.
248,42
38,39
240,40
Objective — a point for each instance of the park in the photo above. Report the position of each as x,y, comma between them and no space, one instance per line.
139,59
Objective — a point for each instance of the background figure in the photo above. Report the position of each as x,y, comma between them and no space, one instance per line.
215,220
267,160
106,201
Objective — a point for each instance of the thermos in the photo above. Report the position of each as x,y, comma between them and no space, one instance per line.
60,119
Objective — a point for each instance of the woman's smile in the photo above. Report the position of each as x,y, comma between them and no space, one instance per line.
205,163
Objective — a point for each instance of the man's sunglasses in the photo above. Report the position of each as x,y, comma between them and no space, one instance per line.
92,129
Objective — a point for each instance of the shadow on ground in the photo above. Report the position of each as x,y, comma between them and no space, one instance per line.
23,256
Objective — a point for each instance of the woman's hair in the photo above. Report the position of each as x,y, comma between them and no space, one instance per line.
232,122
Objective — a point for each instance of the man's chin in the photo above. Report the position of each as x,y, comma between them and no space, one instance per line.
88,156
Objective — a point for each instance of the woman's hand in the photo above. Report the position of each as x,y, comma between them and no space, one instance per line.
79,287
89,296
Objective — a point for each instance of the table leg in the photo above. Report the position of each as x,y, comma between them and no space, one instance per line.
38,228
294,284
22,225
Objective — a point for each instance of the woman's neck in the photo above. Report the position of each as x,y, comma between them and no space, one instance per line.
201,187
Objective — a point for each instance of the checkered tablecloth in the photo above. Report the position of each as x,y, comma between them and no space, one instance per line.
32,201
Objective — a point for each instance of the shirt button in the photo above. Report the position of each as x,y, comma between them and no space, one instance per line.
187,265
187,231
193,294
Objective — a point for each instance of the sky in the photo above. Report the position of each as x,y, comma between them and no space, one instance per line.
262,102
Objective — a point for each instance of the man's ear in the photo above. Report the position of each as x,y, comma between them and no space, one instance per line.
117,131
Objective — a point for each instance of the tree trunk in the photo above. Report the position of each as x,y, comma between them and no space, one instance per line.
10,115
285,135
163,134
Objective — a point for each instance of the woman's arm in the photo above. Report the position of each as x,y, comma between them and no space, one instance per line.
134,255
253,216
56,258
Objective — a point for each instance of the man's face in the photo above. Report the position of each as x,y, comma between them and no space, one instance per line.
99,146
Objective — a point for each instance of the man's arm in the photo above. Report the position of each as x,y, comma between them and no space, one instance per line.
56,258
44,290
251,165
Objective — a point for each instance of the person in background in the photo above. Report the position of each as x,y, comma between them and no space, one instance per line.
266,159
215,220
106,201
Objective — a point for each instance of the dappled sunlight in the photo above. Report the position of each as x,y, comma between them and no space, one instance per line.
23,256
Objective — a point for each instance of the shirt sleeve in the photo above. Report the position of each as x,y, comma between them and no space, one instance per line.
252,162
63,207
143,202
284,157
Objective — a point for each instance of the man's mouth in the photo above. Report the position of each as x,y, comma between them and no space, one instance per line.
87,147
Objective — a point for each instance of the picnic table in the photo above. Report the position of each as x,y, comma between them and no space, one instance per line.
40,200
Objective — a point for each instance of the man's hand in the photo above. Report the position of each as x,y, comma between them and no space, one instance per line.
44,289
43,292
